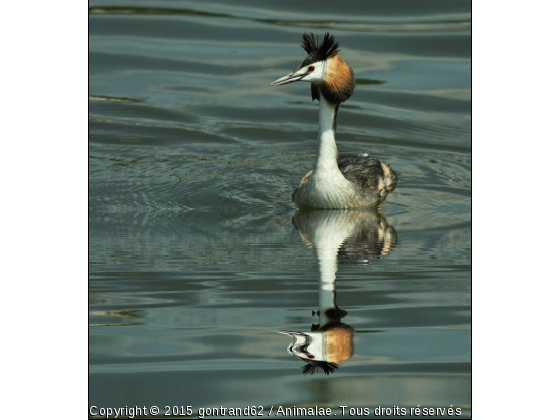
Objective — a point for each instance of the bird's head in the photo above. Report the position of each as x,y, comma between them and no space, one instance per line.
324,68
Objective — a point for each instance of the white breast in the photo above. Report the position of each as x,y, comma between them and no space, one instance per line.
328,190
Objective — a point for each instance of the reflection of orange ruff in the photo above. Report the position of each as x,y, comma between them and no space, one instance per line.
339,343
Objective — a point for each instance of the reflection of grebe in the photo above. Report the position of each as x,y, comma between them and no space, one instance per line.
335,182
336,235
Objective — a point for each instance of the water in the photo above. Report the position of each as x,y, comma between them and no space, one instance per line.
196,250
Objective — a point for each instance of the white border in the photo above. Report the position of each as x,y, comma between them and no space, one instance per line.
44,188
515,226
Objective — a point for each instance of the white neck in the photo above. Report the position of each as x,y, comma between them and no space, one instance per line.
327,152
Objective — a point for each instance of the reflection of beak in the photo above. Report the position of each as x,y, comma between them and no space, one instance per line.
290,78
292,333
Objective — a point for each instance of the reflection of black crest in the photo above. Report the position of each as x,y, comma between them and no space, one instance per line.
318,51
314,366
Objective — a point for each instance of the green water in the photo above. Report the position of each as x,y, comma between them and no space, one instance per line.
197,251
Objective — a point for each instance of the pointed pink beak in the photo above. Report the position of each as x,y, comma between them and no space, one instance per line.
290,78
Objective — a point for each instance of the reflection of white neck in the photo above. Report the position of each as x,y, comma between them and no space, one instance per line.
327,152
329,234
327,287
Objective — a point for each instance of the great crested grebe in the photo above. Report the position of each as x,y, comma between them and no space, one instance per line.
335,182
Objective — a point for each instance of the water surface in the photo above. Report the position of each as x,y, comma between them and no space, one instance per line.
196,250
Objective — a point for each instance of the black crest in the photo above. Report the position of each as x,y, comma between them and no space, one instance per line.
318,51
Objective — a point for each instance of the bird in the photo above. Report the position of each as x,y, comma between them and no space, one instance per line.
335,182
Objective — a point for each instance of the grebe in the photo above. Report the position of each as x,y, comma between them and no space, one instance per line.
335,182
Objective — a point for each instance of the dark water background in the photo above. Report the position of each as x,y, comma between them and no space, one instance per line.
194,256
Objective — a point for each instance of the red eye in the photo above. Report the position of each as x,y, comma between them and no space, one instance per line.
311,68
